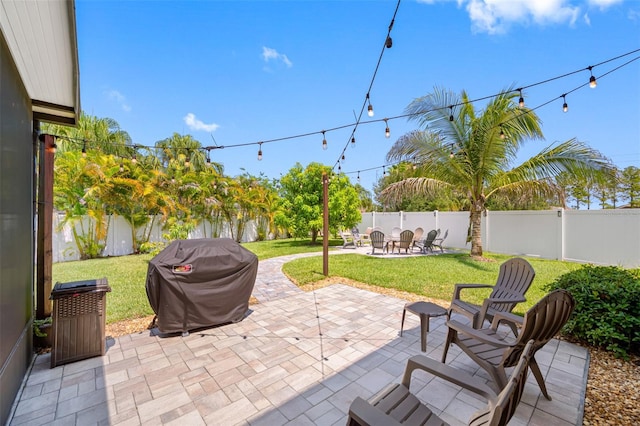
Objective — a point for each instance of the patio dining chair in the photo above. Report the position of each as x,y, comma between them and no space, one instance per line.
396,405
514,279
493,352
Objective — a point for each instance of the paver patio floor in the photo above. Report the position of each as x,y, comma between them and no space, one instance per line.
296,359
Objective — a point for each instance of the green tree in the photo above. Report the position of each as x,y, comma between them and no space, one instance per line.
630,185
364,195
181,151
302,200
472,152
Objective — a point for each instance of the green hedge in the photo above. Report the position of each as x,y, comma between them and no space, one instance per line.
607,311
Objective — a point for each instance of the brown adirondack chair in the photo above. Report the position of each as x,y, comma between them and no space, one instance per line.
491,352
427,243
396,405
405,241
377,241
514,279
417,236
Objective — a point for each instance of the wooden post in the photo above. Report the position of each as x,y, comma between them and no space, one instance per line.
325,224
45,225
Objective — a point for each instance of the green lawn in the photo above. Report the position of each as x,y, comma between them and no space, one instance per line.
432,276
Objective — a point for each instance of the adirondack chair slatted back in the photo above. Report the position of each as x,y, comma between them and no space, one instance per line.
377,240
514,279
541,323
406,239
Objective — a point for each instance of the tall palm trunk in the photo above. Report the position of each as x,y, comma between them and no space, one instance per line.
476,230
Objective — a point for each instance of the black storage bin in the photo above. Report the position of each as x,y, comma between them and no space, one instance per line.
79,316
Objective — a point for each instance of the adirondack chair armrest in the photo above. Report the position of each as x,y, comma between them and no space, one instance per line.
508,317
366,414
448,373
489,301
476,334
458,287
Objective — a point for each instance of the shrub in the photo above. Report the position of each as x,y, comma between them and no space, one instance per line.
607,311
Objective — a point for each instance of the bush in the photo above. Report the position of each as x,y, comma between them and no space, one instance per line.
607,311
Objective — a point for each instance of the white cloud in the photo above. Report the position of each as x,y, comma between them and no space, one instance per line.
195,124
114,95
269,54
497,16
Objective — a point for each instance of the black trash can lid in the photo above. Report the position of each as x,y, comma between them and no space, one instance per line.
85,286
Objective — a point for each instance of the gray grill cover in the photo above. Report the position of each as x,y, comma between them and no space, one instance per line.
200,283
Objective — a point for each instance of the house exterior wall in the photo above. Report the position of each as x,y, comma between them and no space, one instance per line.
16,231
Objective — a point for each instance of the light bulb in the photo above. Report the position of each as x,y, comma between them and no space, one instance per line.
324,141
187,163
565,107
521,100
358,177
121,167
388,42
54,147
370,110
502,135
592,82
387,132
134,160
260,152
353,141
450,113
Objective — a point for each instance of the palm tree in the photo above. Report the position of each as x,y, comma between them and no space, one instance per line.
472,153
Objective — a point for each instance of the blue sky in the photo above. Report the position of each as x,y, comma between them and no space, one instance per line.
241,72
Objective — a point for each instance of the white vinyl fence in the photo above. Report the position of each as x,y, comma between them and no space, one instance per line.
603,237
119,239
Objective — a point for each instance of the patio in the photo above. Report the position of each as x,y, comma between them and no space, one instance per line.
297,358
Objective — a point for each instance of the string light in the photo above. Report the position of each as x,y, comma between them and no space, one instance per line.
134,159
54,148
121,166
260,152
384,172
450,112
353,141
592,79
358,176
209,160
565,107
370,107
451,155
521,100
324,141
388,43
84,149
343,158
